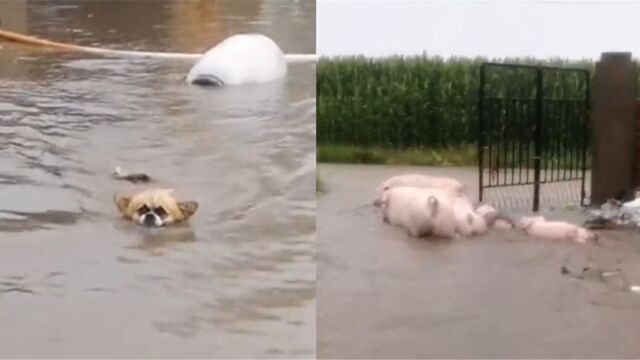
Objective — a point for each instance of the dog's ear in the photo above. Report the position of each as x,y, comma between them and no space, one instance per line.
122,202
188,208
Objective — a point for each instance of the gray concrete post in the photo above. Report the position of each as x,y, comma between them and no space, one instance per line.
614,127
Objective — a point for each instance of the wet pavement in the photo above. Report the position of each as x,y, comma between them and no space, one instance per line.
77,281
382,294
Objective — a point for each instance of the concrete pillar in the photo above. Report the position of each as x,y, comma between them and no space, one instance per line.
613,126
636,162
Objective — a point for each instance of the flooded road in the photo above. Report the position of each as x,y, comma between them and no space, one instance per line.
77,281
382,294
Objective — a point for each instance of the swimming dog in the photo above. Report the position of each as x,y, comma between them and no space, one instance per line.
155,207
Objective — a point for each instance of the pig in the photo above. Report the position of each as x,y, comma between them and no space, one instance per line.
422,212
449,185
488,212
494,218
539,227
501,224
468,222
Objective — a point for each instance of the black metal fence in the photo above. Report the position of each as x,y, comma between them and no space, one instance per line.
533,126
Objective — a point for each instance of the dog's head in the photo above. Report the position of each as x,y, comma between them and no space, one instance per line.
155,207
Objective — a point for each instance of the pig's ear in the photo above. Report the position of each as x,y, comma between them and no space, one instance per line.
433,205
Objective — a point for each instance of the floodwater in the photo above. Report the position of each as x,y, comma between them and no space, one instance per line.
75,279
382,294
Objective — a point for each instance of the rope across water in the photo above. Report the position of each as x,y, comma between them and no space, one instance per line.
35,41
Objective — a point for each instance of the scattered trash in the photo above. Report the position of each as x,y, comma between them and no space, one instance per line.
9,286
615,214
615,278
633,204
634,288
580,274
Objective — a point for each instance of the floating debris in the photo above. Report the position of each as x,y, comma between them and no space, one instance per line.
10,286
133,178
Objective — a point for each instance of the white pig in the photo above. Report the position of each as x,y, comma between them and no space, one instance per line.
421,212
501,224
468,222
448,185
538,226
493,217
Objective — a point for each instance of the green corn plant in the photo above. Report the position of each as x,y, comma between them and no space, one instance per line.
424,102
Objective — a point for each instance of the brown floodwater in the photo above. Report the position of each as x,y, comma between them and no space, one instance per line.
77,281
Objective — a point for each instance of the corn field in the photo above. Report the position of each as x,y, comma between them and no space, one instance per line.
416,102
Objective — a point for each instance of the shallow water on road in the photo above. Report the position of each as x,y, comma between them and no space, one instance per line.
383,294
75,280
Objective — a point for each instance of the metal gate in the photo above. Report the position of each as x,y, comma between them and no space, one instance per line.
533,126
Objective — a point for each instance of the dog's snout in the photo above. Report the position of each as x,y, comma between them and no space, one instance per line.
149,219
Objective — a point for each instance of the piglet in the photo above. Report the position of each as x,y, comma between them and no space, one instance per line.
539,227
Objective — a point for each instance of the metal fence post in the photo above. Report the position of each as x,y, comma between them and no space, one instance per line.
537,150
481,132
585,135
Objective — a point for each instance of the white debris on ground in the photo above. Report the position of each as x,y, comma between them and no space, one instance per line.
615,213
